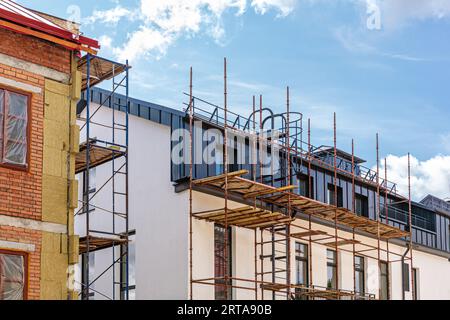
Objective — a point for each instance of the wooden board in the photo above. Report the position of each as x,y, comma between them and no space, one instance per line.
246,217
100,70
342,242
98,243
284,198
97,156
300,235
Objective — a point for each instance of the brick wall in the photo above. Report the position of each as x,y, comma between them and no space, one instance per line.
21,191
34,50
34,258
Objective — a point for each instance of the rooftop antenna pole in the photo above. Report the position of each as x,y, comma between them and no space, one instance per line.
191,153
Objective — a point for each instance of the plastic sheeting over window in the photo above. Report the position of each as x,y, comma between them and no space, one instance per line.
12,277
14,124
16,119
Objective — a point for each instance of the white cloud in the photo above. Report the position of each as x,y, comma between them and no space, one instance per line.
106,41
143,42
445,141
160,23
285,7
110,16
431,176
398,13
350,40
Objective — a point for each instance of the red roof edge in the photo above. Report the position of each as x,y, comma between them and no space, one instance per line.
65,34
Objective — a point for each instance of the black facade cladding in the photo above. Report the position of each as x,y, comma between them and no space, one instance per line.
430,228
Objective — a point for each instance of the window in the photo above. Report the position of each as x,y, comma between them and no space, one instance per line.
131,270
384,280
331,197
91,275
304,186
416,283
405,277
90,193
361,205
331,269
301,261
359,276
13,128
13,275
221,267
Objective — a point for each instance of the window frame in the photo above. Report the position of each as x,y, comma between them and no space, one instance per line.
334,266
25,256
339,197
300,259
362,271
364,205
219,285
415,275
387,279
132,287
26,167
306,179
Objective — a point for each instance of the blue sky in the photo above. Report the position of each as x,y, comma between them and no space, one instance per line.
393,79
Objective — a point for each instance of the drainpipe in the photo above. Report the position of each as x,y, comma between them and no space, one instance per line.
403,273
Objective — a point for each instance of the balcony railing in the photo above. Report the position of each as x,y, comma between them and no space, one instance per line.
403,217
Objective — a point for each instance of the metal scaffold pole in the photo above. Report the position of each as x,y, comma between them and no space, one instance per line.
95,152
335,201
288,183
410,227
254,162
386,214
378,210
191,153
86,180
225,145
309,215
354,211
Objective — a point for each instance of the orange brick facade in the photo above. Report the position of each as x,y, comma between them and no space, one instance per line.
21,190
34,50
34,258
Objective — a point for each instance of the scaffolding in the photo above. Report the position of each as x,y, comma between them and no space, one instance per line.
113,231
272,209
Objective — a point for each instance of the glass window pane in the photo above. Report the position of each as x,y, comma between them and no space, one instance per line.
384,280
331,256
2,97
17,105
331,277
331,269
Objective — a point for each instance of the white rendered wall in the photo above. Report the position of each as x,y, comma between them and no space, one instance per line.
156,212
161,219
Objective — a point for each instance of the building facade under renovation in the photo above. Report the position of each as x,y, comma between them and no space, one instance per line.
40,85
103,196
257,213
